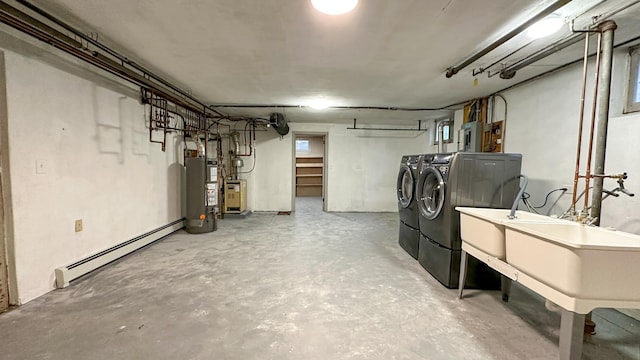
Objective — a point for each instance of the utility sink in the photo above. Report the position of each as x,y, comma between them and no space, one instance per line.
580,261
484,228
575,266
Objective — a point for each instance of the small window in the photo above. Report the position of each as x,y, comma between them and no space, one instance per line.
302,145
633,86
444,127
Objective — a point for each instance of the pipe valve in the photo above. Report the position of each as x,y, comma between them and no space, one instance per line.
621,187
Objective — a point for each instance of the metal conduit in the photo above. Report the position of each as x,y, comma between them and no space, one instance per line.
452,70
341,107
111,52
510,71
604,90
39,30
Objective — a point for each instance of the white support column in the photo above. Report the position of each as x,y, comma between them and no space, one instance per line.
571,335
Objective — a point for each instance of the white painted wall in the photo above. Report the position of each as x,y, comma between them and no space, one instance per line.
543,124
361,174
97,165
269,185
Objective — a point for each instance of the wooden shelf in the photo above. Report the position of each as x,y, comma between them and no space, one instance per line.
309,175
301,160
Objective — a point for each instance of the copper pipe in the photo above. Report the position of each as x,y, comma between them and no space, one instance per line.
28,25
593,121
622,176
123,59
576,175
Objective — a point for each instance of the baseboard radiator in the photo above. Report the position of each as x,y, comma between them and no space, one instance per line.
64,275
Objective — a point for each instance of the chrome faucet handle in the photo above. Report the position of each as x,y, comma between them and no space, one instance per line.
626,192
621,187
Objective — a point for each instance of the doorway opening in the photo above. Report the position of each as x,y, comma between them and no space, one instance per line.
309,190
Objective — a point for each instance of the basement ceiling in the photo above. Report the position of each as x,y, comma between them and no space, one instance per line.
384,54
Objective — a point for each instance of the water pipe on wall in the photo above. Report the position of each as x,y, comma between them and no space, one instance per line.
593,120
452,70
236,161
576,173
600,114
604,89
504,121
440,134
200,146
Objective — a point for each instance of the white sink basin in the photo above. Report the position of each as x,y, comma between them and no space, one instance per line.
484,228
579,261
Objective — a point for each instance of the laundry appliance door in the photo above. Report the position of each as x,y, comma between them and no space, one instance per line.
406,186
431,193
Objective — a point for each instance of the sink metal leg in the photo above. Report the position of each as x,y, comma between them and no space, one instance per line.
463,273
505,286
571,335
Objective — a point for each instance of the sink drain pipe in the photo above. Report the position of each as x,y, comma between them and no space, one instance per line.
607,29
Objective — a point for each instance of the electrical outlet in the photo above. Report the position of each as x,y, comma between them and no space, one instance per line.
41,167
79,225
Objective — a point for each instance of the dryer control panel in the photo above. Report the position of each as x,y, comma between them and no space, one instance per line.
444,170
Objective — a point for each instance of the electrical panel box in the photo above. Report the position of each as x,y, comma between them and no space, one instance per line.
473,136
202,194
235,196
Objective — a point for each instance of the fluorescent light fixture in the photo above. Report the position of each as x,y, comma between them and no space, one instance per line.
334,7
545,27
318,104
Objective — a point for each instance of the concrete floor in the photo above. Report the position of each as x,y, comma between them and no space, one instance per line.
311,285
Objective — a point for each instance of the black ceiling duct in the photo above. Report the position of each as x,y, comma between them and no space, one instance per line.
278,123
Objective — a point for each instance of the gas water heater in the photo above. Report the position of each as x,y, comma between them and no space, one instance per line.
202,194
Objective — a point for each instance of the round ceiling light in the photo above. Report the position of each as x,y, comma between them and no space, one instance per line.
334,7
318,104
545,27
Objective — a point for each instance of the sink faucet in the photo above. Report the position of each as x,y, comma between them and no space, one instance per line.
512,214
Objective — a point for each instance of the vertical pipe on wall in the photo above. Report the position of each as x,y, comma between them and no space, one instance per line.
607,28
593,122
576,175
504,121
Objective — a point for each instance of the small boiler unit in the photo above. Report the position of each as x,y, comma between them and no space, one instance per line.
202,195
235,196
